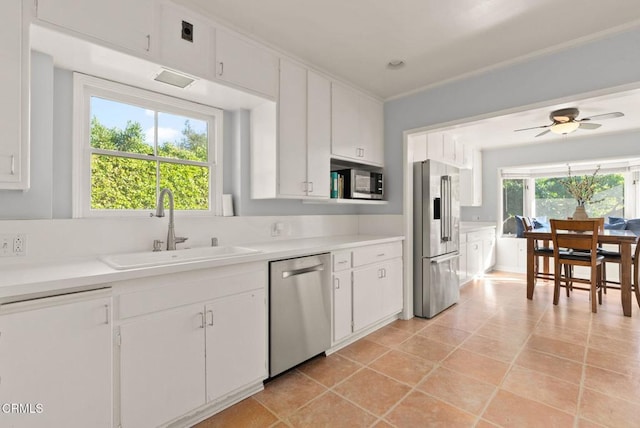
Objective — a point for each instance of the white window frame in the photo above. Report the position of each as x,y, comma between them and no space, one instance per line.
85,87
627,167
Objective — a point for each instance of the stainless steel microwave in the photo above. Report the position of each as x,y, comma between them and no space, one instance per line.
360,184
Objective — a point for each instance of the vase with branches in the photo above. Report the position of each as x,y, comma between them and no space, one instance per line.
583,189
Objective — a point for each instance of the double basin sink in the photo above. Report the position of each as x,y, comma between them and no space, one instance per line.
149,259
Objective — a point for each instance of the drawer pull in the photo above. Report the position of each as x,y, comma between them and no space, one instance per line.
341,262
381,255
202,322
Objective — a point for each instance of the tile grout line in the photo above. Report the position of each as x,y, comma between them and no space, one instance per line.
584,374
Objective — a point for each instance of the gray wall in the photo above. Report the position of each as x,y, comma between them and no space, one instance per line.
605,63
37,201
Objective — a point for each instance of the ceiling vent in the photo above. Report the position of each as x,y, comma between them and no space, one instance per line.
173,78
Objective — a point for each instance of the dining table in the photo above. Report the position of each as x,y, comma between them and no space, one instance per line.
622,238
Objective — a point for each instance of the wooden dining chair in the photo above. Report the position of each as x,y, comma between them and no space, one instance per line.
636,274
539,252
575,243
612,257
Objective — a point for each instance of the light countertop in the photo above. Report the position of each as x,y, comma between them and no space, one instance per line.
25,281
471,226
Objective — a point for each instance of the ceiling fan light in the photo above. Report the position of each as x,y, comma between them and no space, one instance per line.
564,128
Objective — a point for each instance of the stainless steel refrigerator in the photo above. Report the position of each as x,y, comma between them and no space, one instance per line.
436,228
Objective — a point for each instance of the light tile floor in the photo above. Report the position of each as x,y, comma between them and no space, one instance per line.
494,359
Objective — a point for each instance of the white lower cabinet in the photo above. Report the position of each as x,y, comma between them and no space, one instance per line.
367,296
342,323
189,341
477,253
474,258
236,338
377,293
162,361
367,287
56,361
392,287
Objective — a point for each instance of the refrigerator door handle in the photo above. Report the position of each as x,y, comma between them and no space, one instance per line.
449,209
445,258
443,208
445,223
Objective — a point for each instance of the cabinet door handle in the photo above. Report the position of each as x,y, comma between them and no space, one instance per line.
337,282
380,255
310,187
148,42
107,314
201,319
221,68
13,164
210,322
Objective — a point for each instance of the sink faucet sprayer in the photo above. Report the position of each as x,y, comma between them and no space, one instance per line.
172,240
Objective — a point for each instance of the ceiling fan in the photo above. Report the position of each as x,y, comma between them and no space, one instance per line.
565,122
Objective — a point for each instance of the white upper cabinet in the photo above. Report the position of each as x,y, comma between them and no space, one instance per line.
246,64
471,181
14,88
372,130
443,147
186,41
123,23
318,134
357,124
292,130
297,163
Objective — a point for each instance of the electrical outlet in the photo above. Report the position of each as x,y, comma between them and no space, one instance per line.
277,228
13,244
19,245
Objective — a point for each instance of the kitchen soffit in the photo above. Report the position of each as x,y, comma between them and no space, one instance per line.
438,40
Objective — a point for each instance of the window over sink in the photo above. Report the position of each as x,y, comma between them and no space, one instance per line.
130,143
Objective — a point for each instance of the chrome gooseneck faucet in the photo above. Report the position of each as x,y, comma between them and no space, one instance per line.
171,234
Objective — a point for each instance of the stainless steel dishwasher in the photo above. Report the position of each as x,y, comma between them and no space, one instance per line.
300,310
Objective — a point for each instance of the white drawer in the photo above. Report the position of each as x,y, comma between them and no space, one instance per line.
489,234
375,253
341,260
477,235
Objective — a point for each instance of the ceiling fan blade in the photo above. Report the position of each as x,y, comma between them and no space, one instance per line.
603,116
590,125
542,133
535,127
